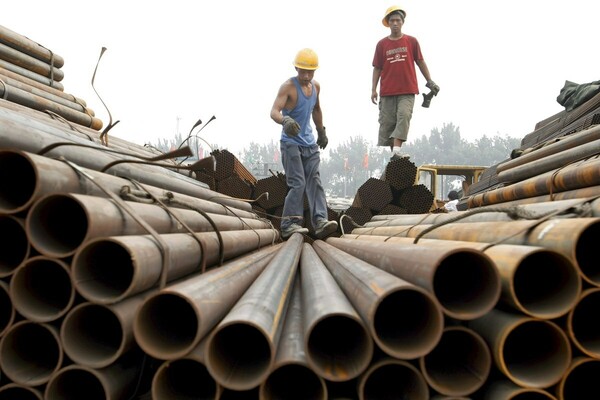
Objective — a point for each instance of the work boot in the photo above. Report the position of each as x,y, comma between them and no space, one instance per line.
325,228
293,228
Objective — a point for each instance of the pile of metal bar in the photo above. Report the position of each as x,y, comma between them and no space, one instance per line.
30,75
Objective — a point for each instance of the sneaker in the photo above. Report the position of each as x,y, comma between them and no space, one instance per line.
325,228
397,156
293,228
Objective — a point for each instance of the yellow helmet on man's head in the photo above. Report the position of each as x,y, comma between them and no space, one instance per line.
390,10
306,59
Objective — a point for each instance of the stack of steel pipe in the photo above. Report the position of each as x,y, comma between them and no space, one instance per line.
373,195
228,165
400,173
31,75
542,343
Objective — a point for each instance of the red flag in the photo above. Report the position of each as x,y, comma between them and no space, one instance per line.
346,167
366,161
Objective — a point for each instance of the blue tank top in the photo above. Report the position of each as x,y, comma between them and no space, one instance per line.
302,113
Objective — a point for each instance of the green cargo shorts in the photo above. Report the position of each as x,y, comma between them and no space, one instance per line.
395,113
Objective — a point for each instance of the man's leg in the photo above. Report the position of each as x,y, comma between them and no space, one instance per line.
293,207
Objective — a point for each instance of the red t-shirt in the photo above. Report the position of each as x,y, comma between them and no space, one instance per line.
396,58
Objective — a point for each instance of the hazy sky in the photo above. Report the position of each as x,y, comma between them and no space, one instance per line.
500,64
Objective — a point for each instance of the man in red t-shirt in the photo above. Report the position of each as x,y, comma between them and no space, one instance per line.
394,65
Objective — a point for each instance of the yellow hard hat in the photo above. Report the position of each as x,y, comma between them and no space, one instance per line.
390,10
306,59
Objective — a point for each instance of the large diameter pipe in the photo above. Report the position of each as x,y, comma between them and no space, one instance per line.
167,335
405,320
185,378
29,135
241,349
58,224
337,343
291,376
582,326
580,381
464,280
460,363
520,269
507,390
574,176
563,144
26,177
41,289
550,162
107,270
118,381
13,390
16,247
530,352
574,237
7,309
97,335
390,378
30,353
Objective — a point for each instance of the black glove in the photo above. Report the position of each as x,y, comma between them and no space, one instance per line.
290,126
435,89
322,139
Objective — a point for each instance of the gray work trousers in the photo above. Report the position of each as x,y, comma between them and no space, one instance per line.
301,166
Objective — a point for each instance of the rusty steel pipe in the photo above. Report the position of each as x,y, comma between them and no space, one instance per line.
337,342
459,365
241,349
16,247
7,309
573,237
391,378
565,143
550,162
30,63
573,176
41,289
530,352
76,382
576,196
581,323
25,45
507,390
291,376
12,391
186,378
31,75
580,381
31,352
465,281
520,269
405,320
167,335
58,224
40,86
35,138
27,177
97,335
107,270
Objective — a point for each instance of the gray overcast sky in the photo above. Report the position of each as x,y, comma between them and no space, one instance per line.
500,64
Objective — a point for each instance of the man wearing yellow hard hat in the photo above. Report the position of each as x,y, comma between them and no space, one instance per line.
394,70
296,104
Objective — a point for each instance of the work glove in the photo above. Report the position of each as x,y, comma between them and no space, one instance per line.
322,138
435,89
290,126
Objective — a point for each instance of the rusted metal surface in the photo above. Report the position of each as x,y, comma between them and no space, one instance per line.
291,375
167,335
581,323
33,176
337,342
228,165
452,274
416,199
241,350
58,224
400,173
530,352
391,378
460,363
574,238
277,188
404,320
31,47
